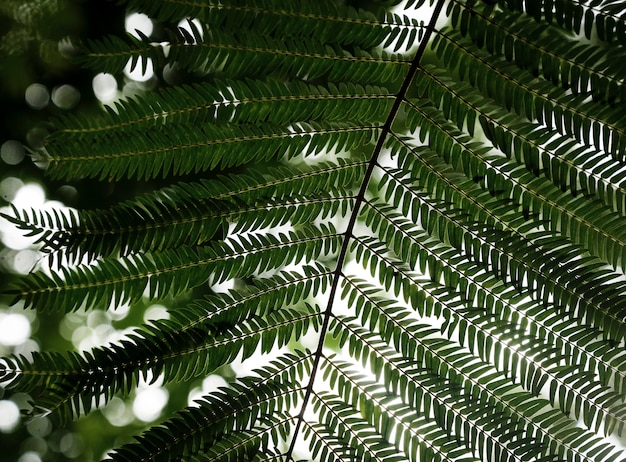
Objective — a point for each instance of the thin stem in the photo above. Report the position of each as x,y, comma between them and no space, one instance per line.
360,198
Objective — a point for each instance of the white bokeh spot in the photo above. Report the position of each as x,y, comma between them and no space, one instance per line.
104,87
9,416
149,403
37,96
138,22
14,329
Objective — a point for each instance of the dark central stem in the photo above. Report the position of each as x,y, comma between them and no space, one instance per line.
386,129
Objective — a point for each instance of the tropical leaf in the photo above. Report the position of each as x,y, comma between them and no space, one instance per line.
439,203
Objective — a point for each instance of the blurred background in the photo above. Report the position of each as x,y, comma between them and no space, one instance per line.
38,82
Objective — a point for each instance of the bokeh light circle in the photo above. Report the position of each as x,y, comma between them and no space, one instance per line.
9,416
104,87
12,152
65,96
37,96
14,329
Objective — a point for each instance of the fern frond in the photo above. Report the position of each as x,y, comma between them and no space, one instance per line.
232,101
605,18
478,239
186,149
334,22
531,97
172,271
470,295
586,69
246,56
189,213
527,359
230,411
445,218
443,357
244,445
586,223
195,341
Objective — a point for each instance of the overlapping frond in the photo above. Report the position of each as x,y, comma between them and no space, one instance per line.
172,272
366,28
605,17
196,340
193,213
231,414
446,217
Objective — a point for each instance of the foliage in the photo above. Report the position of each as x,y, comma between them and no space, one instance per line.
441,205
